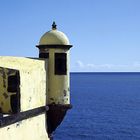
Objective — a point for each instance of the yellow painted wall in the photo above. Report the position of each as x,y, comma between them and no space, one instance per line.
33,93
33,77
30,129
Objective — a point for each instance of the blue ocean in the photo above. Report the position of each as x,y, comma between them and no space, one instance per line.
106,106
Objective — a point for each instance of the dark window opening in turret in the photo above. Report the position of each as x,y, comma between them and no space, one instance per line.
13,87
12,83
60,63
15,104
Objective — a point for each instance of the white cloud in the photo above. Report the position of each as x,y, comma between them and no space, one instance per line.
108,66
80,64
90,67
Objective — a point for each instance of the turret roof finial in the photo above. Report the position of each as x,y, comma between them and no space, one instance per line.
54,26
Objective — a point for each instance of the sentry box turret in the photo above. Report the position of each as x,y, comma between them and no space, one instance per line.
35,92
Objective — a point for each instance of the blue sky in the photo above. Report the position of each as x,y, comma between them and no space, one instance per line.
105,34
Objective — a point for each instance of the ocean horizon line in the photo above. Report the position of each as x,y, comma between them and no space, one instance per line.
104,72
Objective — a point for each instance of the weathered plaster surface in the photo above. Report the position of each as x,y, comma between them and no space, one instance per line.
33,92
